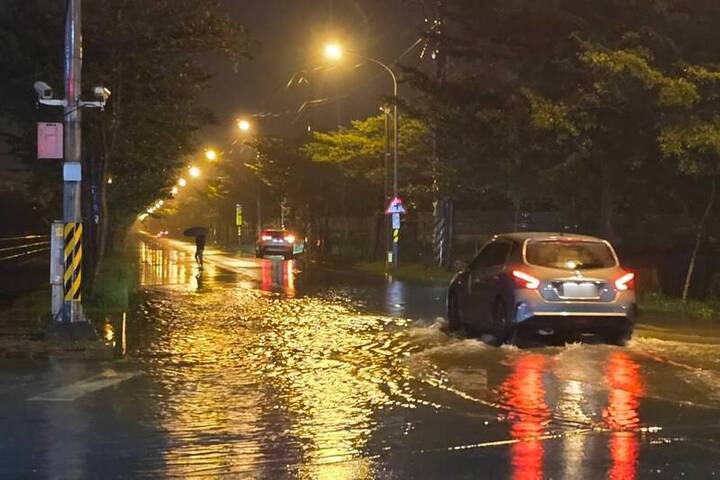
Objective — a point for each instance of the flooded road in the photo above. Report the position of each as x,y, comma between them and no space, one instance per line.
258,369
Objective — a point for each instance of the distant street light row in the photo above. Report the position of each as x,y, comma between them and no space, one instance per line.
211,154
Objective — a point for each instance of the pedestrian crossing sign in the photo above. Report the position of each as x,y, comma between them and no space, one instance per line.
396,206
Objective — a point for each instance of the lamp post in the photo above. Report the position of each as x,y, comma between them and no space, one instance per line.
335,52
246,127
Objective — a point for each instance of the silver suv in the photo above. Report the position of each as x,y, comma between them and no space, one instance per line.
547,283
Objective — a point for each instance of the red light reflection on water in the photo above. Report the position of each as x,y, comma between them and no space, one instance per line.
622,375
266,269
524,394
278,276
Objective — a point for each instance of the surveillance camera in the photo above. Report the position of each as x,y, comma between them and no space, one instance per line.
101,93
43,90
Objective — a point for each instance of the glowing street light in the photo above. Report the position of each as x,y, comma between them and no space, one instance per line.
174,190
333,51
211,154
244,125
182,182
194,172
109,180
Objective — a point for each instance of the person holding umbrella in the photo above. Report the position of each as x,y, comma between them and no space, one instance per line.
200,234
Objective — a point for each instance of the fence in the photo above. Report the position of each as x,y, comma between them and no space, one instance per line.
22,248
472,228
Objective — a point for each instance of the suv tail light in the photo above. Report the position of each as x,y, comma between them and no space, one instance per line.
266,237
523,280
626,282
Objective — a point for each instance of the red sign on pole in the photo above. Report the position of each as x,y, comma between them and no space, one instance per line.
50,140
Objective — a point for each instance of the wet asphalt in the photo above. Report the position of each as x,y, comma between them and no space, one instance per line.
267,369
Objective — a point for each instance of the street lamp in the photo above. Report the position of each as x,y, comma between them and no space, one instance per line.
244,125
211,154
335,52
182,182
194,172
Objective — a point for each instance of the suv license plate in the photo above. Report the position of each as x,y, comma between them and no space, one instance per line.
580,290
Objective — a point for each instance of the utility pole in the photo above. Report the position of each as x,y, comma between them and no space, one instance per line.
386,185
443,207
396,231
282,213
72,167
259,209
68,235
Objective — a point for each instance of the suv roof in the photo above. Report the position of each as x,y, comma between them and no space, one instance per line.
522,236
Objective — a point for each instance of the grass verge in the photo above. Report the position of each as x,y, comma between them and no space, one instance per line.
113,287
414,272
657,302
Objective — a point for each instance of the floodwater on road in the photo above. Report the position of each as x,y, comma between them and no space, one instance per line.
257,368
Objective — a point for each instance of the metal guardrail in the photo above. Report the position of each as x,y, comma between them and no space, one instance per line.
26,237
26,247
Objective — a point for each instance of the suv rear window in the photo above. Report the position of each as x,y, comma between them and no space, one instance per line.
569,255
274,233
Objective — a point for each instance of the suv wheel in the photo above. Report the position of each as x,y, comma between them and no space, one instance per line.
501,323
454,314
620,338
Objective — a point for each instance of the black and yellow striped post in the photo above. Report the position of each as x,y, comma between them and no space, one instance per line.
73,262
395,247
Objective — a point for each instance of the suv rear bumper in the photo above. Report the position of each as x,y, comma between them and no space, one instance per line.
279,249
578,324
532,309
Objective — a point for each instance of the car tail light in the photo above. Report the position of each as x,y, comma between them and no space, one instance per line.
266,237
626,282
523,280
290,238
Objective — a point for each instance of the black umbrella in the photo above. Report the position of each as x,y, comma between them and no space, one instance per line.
195,232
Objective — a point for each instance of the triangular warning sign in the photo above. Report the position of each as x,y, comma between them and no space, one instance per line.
396,206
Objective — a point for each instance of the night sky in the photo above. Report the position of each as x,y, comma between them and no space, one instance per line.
287,37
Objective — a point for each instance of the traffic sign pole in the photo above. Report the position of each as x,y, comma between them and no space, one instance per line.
395,247
395,208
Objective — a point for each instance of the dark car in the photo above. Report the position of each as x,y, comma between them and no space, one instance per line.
547,283
275,242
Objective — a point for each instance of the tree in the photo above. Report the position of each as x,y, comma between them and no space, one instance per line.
358,151
527,107
309,190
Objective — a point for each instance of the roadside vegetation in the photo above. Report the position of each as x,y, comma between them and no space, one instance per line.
706,309
114,287
412,272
